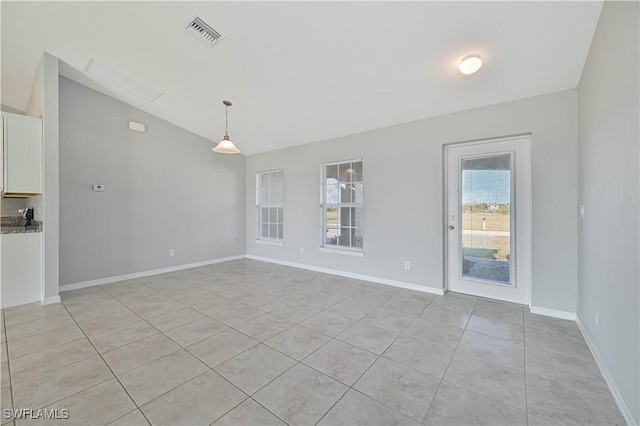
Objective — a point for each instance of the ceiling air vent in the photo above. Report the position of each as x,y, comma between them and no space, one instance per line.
203,32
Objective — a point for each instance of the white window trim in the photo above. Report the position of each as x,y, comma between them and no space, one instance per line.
348,251
345,251
259,239
334,163
269,242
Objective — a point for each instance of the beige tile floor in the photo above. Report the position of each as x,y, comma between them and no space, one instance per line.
246,342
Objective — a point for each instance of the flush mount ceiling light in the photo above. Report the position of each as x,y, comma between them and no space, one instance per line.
226,146
104,70
470,64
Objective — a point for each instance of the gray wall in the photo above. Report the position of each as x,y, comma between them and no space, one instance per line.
403,194
608,137
10,206
164,189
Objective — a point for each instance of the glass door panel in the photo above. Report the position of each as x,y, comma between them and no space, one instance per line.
485,201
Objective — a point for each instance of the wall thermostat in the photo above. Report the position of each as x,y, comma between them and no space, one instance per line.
98,188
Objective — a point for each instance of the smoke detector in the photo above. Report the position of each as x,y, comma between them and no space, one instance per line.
203,32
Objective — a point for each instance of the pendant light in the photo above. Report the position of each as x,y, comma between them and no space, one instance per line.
226,146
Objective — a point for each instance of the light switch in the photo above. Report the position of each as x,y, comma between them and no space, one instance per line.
98,188
582,211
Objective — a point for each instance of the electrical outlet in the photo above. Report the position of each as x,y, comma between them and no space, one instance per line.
172,252
597,317
301,250
582,211
407,265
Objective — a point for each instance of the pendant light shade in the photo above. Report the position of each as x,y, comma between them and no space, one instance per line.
226,146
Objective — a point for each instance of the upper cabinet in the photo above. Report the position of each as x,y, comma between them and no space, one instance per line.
22,155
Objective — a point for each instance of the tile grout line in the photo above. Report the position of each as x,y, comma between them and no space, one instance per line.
450,360
117,328
525,410
38,334
124,415
301,361
108,366
246,350
249,396
141,318
188,307
28,322
372,364
489,335
204,314
274,414
80,338
564,335
294,324
160,332
209,368
73,394
259,343
6,344
331,338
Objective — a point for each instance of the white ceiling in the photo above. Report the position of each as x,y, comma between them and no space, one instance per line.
299,72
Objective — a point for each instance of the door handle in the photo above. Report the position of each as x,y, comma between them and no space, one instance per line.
451,227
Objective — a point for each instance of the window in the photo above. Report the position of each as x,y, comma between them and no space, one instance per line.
342,205
269,192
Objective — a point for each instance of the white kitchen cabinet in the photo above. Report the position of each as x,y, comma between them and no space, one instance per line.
21,273
22,155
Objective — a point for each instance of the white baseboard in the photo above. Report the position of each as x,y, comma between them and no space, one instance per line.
571,316
51,300
622,406
370,278
107,280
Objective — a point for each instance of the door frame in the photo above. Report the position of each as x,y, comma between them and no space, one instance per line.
529,209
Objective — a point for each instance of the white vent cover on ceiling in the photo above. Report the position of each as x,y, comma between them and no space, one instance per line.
203,32
114,76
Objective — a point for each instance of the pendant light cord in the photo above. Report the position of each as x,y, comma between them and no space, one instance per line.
226,120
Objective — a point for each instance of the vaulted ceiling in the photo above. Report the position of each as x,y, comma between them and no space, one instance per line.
299,72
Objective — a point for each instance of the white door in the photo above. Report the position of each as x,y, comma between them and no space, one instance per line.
488,218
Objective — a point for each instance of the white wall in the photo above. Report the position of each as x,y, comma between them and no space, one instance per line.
403,194
165,189
7,108
44,104
609,135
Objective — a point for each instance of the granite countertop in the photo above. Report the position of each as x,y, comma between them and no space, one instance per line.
20,229
15,225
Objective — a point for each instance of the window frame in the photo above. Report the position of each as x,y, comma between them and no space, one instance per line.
259,205
338,249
